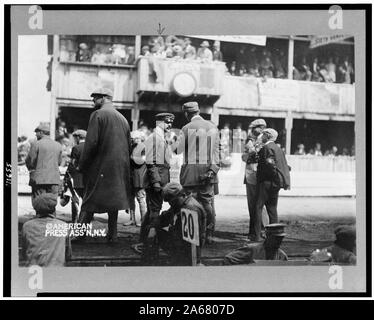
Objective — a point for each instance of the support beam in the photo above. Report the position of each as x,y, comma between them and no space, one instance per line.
291,45
54,85
138,43
135,118
289,123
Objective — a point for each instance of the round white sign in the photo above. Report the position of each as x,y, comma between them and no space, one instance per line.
184,84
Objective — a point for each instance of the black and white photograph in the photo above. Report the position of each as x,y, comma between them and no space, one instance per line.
212,152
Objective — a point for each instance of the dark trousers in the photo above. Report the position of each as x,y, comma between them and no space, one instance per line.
251,191
154,205
267,195
86,217
38,189
204,194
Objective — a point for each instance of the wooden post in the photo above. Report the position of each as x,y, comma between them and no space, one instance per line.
193,255
135,117
53,105
288,122
138,43
291,45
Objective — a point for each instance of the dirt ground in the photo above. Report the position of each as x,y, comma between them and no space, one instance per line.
310,224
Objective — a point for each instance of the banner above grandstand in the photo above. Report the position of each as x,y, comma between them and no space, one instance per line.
317,41
257,40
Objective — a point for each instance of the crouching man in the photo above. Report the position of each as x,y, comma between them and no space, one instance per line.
168,233
43,240
267,250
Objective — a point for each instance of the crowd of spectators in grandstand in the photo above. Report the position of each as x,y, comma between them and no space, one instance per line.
249,60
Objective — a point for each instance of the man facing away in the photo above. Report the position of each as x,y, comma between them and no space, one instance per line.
42,162
272,175
267,250
39,245
200,145
105,163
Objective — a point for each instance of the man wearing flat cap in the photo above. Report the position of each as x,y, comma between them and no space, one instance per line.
40,245
43,162
158,154
105,163
344,248
73,177
267,250
199,143
169,230
250,157
272,175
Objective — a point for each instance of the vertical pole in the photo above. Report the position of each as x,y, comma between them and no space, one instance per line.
135,117
138,42
193,255
291,45
54,77
289,121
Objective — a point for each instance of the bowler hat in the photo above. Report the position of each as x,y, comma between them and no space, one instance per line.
102,92
191,106
275,229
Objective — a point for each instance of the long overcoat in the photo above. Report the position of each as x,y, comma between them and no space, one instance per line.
105,162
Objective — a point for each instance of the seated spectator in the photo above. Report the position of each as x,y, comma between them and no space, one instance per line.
304,70
168,53
345,152
253,65
300,150
217,54
98,57
83,53
266,65
346,72
130,57
178,51
145,51
311,152
296,74
323,72
189,50
316,76
331,70
119,53
233,70
23,148
267,250
334,151
279,65
317,149
242,71
204,53
38,247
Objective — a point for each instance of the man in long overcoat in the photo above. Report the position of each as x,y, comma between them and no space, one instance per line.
105,163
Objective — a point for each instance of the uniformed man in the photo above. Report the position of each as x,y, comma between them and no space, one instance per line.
250,157
169,229
105,163
199,143
158,155
267,250
342,251
43,162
